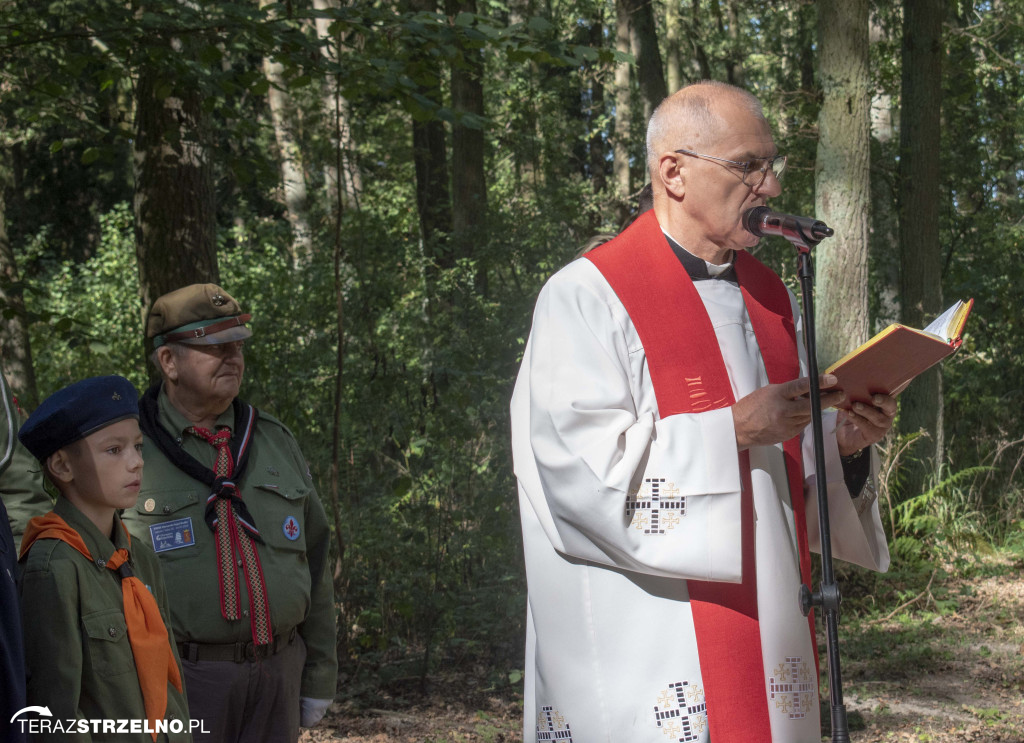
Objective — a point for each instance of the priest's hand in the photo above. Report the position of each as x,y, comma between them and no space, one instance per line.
865,424
778,412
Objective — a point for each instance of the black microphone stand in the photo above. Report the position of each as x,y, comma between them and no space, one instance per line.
828,598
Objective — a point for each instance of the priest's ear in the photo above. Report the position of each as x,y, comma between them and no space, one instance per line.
672,174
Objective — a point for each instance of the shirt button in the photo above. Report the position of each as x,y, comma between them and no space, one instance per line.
112,632
167,509
245,612
101,563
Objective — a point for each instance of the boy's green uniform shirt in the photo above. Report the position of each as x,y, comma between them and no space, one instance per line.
76,643
278,491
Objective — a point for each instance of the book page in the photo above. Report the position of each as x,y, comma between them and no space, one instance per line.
942,326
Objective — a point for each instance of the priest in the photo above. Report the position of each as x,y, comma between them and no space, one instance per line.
661,438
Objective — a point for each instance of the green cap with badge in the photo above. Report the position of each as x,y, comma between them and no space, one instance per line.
198,314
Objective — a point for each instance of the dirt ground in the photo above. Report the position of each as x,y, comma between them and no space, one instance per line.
933,679
964,679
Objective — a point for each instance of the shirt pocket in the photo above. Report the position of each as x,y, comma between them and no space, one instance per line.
106,641
174,521
280,515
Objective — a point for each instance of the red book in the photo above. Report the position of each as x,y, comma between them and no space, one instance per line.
888,362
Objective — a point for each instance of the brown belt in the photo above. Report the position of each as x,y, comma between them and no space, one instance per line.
237,652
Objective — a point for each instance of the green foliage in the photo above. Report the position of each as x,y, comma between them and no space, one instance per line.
88,315
944,515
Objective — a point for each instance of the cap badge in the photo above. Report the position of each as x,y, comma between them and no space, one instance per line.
218,300
115,396
290,527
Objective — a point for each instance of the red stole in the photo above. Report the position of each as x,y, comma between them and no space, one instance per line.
689,376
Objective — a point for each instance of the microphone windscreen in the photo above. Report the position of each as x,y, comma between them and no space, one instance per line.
753,218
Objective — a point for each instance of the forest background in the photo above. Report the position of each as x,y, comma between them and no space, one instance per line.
385,185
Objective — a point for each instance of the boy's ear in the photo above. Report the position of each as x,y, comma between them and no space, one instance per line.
59,466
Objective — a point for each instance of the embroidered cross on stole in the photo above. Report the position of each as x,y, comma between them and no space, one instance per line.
689,376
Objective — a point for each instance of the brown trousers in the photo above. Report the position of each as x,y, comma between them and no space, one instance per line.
249,702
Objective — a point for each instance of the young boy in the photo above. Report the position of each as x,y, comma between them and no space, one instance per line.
97,649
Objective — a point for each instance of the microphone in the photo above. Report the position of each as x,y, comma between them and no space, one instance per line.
762,221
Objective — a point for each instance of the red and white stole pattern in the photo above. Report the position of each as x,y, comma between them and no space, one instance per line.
689,376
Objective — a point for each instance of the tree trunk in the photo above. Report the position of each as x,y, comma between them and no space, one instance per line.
596,144
430,158
700,55
15,347
469,183
623,114
293,177
343,179
673,41
885,249
919,188
175,216
842,188
643,39
343,185
729,25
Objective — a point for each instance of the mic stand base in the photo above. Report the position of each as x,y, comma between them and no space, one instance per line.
840,727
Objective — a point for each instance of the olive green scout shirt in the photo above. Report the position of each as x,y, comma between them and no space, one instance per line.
278,491
79,659
21,481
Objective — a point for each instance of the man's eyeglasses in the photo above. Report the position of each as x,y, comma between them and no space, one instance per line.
753,171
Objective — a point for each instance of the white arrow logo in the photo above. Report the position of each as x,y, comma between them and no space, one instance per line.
41,711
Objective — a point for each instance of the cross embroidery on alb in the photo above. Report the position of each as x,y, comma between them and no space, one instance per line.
655,506
681,712
793,687
552,726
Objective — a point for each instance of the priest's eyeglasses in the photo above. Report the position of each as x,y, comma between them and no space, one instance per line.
753,171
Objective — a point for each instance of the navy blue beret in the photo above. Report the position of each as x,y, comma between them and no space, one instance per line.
76,411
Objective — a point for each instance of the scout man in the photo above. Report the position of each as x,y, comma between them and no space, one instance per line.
229,506
93,601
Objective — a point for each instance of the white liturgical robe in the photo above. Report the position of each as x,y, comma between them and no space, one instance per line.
620,507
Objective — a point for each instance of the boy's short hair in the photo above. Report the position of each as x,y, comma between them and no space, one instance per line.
76,411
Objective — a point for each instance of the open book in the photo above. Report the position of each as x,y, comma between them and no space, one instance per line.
889,362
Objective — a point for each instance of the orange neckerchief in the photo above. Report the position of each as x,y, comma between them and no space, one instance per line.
147,634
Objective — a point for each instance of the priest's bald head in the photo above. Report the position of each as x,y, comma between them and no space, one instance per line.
711,157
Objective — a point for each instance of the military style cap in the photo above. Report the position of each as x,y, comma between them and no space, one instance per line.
77,411
199,314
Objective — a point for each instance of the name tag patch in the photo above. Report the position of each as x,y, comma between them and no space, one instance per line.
172,535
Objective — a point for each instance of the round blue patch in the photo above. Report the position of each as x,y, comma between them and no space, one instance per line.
290,527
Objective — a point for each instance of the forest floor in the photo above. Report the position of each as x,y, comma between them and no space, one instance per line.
946,666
